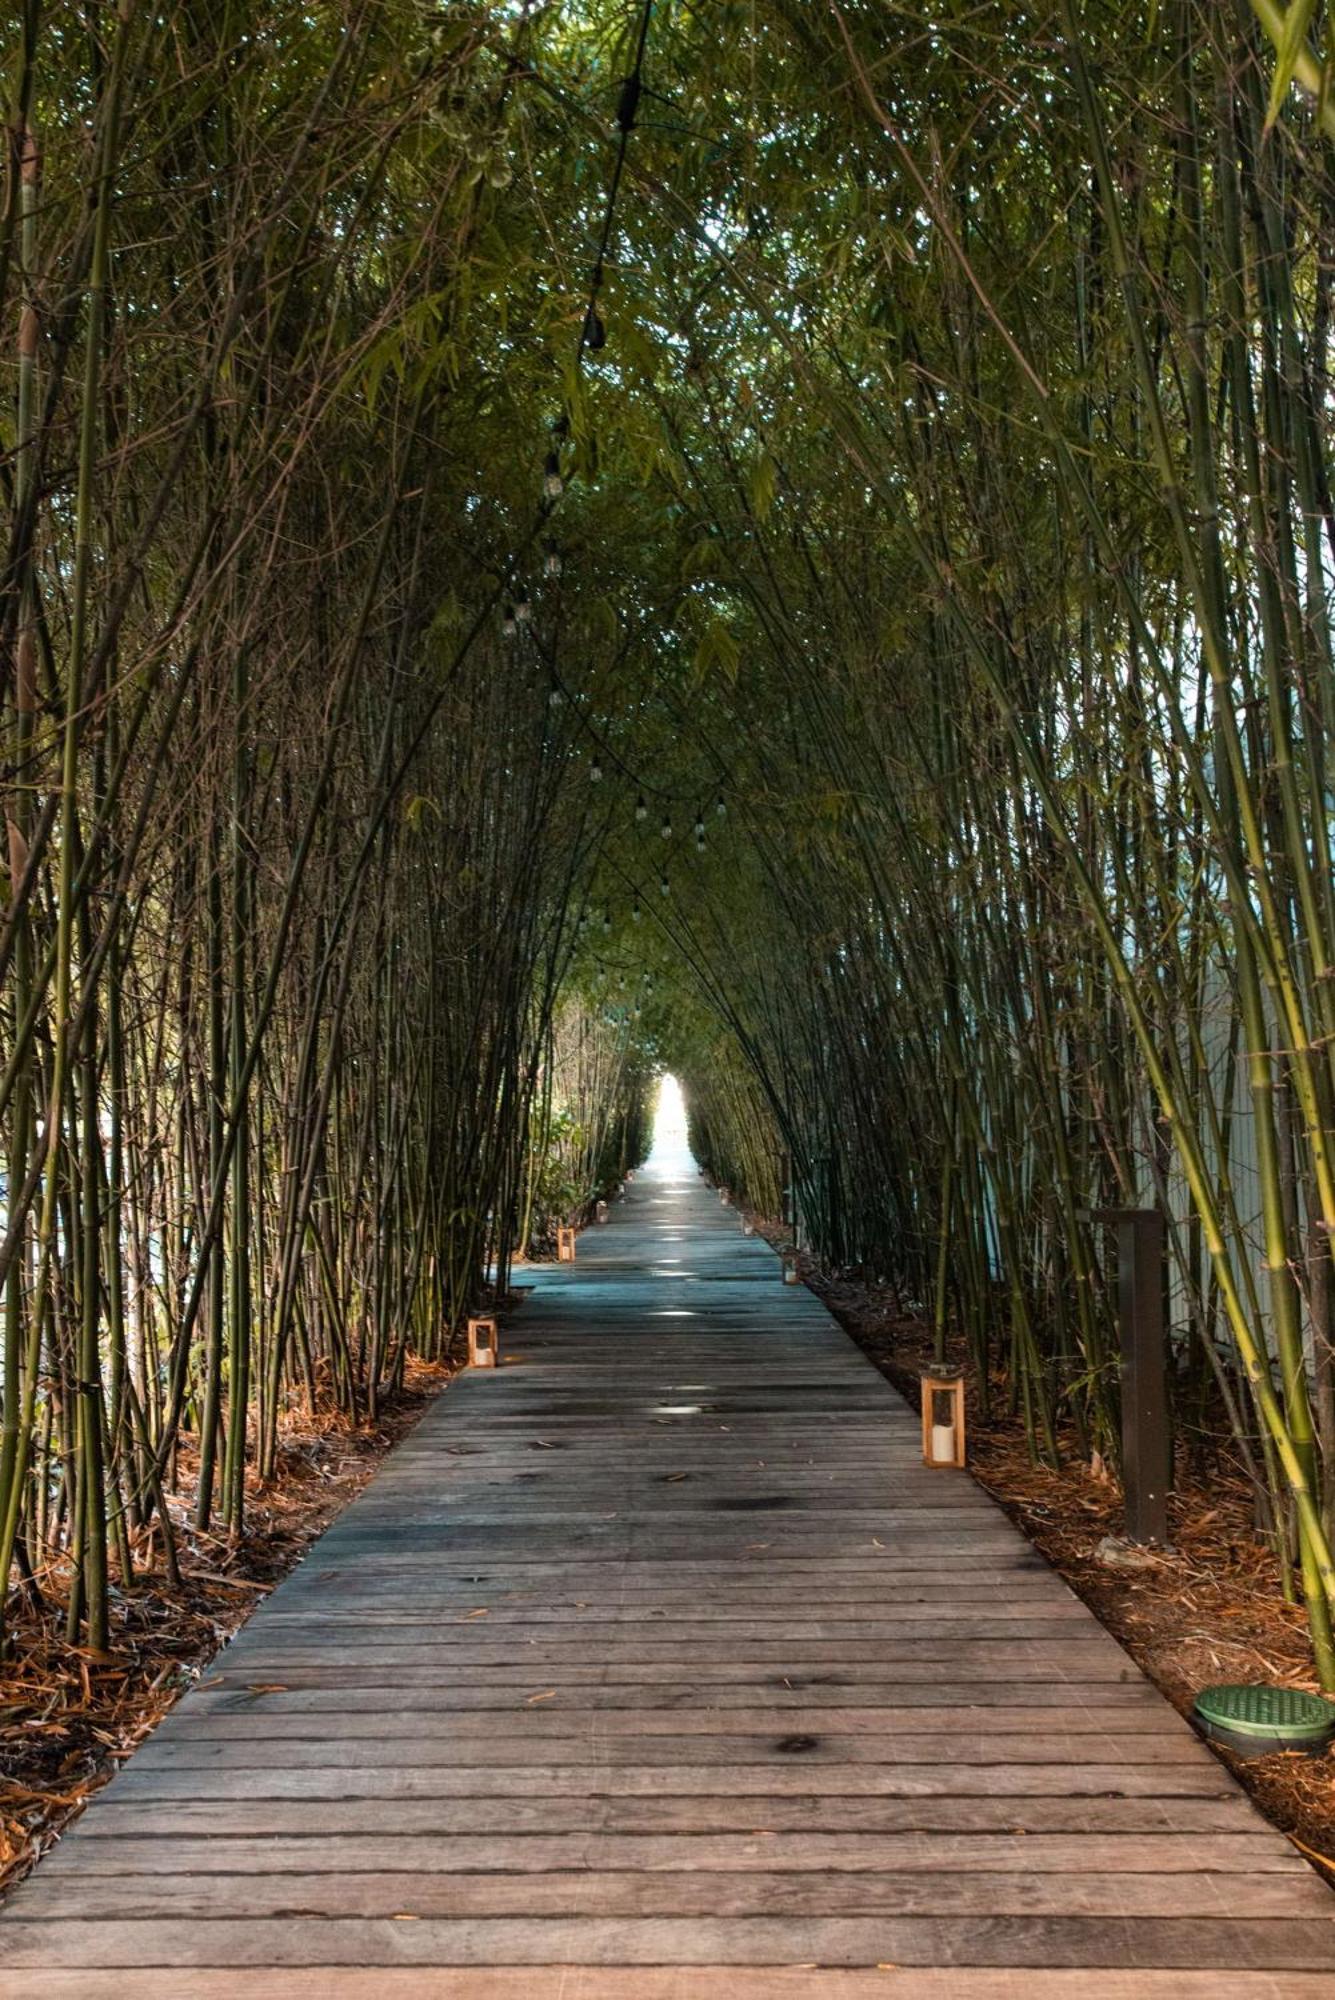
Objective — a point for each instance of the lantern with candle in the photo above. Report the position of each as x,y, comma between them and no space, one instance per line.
943,1417
483,1343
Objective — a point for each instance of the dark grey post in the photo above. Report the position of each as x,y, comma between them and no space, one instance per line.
1147,1446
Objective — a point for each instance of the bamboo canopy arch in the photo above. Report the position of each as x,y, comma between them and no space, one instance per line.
790,542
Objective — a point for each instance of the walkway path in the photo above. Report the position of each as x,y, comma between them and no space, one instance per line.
657,1667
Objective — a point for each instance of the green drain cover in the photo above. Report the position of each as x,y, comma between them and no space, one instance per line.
1260,1719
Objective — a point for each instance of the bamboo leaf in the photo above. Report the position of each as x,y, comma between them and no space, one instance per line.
1292,43
762,483
717,651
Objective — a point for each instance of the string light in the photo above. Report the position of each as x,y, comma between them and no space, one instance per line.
592,337
720,805
607,922
593,334
663,885
666,829
641,809
595,773
635,911
629,101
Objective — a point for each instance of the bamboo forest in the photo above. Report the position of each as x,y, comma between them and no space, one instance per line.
549,545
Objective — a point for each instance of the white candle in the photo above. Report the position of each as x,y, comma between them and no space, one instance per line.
943,1444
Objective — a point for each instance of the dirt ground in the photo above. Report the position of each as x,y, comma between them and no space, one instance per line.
69,1716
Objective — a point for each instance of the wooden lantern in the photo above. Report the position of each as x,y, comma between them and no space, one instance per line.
630,1173
483,1343
943,1417
725,1195
788,1263
565,1244
600,1211
748,1227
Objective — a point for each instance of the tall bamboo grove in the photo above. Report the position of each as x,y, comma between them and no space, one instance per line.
824,585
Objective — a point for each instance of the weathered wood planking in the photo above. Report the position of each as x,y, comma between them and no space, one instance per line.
655,1666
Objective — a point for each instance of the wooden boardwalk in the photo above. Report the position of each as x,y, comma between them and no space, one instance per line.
657,1667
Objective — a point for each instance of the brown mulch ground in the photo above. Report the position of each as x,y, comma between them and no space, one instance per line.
1210,1609
69,1717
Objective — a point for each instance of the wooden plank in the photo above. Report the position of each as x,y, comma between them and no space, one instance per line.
1218,1942
653,1893
1059,1655
565,1982
686,1670
317,1851
118,1817
1116,1704
808,1779
497,1751
272,1715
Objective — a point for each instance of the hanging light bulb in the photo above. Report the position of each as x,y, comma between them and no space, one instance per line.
628,102
607,922
666,829
720,805
551,561
663,885
595,773
552,483
641,809
554,698
635,912
508,621
699,826
523,611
